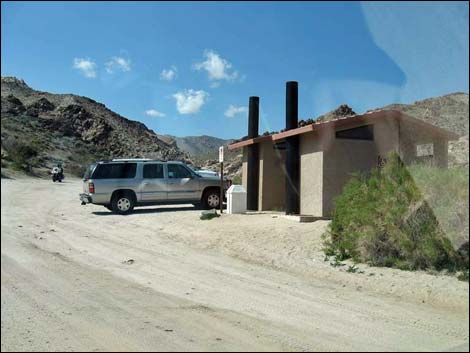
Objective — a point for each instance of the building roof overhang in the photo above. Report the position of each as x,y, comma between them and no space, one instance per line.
352,121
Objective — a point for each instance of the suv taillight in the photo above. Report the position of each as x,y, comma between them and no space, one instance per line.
91,188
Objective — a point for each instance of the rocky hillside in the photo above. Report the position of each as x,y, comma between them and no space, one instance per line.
40,129
342,110
448,112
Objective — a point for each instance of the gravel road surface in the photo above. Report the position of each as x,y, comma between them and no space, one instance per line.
79,278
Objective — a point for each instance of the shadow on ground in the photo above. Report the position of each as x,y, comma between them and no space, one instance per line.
157,209
151,210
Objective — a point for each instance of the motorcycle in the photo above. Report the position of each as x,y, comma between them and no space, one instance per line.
57,175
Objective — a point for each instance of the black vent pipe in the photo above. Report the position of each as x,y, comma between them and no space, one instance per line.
253,117
292,150
253,157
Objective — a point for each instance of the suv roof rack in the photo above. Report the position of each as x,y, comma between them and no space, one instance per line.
125,160
130,159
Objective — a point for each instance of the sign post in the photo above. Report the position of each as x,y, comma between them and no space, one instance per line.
221,161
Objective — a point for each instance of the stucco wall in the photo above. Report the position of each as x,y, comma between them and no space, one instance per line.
311,175
386,136
272,177
412,137
327,163
245,168
341,160
441,153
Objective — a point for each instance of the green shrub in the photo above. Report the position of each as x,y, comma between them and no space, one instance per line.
21,153
237,180
384,219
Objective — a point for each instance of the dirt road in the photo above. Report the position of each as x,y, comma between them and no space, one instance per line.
80,278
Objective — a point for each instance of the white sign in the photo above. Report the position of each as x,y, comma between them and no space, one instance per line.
221,154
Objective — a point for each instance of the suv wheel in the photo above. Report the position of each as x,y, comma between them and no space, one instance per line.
122,203
211,199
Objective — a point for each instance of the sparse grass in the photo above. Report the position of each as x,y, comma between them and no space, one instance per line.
337,262
354,269
237,180
208,215
463,276
385,219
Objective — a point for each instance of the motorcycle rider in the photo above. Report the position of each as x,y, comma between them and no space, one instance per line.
57,171
61,170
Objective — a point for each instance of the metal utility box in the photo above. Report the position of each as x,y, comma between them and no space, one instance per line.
236,199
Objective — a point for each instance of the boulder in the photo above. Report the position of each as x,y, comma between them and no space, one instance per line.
12,105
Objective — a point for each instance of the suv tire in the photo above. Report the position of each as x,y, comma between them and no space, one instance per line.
123,203
211,199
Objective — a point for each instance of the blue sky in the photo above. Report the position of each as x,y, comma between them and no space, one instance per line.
189,68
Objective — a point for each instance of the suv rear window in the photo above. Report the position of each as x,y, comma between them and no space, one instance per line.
115,171
89,171
153,171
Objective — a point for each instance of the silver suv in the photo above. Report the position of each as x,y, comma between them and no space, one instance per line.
122,184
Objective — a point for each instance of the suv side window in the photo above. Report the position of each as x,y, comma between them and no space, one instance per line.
152,171
115,171
177,171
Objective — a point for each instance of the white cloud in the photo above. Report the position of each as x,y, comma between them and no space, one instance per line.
86,66
170,74
118,63
233,110
217,67
155,113
190,101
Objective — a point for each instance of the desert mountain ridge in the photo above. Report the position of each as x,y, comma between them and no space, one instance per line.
41,128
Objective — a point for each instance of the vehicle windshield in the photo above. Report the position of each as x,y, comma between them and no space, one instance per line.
193,170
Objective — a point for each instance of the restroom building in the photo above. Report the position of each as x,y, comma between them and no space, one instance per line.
302,169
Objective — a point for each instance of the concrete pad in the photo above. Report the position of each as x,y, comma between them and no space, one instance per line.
303,218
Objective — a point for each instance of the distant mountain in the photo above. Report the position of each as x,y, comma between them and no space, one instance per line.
201,147
204,153
41,128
